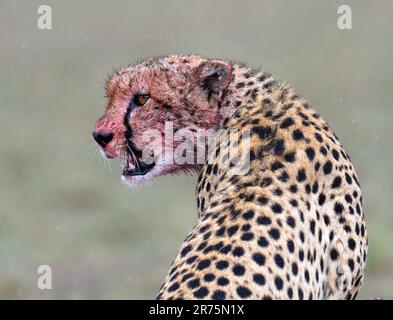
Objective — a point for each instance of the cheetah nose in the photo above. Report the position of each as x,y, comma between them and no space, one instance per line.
102,138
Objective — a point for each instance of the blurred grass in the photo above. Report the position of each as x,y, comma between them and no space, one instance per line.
61,205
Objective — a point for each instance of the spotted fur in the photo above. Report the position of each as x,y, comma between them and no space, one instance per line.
293,227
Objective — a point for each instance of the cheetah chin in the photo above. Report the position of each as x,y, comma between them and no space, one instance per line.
135,175
142,172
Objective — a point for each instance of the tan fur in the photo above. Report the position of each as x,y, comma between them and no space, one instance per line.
293,227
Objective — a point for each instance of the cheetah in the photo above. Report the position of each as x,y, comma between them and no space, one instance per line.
292,227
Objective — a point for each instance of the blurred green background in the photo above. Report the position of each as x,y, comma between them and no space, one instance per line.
62,205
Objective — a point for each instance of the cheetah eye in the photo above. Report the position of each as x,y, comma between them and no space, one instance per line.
140,99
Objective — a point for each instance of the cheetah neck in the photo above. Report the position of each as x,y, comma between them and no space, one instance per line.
246,87
254,102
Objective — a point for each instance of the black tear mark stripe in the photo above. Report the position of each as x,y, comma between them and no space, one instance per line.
131,147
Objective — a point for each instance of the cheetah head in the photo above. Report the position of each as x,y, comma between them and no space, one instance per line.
148,103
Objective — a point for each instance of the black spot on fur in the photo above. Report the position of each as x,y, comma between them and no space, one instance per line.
310,153
278,282
264,220
259,258
218,295
301,175
276,208
259,279
243,292
333,254
279,261
297,135
274,233
201,293
336,182
327,167
279,147
290,156
286,123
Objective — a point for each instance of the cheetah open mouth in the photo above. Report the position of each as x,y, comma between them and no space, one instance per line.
140,169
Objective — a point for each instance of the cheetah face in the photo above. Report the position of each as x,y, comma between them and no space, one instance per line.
174,92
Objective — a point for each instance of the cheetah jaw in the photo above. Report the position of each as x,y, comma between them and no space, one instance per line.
139,169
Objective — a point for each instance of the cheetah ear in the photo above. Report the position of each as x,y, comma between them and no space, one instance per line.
214,75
